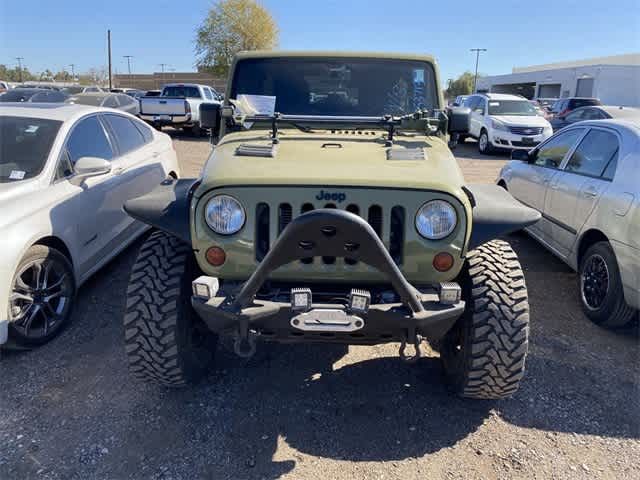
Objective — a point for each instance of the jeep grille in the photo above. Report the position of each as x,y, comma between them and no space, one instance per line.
391,234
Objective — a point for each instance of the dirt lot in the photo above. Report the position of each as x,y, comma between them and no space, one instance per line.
70,409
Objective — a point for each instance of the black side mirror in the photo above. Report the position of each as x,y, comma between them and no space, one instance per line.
522,155
210,115
459,120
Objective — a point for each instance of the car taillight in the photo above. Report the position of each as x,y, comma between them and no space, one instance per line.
564,112
187,107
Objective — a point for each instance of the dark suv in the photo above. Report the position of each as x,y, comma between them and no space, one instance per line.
566,105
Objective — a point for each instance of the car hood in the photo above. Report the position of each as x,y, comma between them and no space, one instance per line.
522,120
14,200
342,158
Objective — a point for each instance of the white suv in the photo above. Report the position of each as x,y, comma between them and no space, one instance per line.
505,121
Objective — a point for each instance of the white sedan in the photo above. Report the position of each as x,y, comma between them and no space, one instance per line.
65,172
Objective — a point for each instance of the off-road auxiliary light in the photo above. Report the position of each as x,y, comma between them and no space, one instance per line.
449,292
205,287
359,301
301,299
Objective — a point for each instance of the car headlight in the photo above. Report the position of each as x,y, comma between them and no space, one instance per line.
224,215
436,219
499,126
547,130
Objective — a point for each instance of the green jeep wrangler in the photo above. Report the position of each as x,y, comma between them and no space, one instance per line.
331,210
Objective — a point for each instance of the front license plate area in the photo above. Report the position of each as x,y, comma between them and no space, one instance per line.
527,140
327,320
162,118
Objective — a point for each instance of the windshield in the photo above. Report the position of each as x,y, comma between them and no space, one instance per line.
73,90
511,107
24,146
180,91
341,86
93,100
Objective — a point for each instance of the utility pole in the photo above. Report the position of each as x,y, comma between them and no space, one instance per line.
162,65
73,71
475,79
129,57
19,59
109,54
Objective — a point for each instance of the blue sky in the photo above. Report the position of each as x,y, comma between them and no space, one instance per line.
54,34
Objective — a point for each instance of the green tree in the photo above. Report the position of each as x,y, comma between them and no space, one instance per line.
13,74
230,27
463,85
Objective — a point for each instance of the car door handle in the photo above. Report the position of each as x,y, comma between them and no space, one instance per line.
590,192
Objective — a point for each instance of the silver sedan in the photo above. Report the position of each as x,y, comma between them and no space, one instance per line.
585,180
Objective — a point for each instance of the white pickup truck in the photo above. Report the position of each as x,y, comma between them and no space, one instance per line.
178,106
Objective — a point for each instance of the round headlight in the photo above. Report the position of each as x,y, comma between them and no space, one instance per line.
436,219
225,215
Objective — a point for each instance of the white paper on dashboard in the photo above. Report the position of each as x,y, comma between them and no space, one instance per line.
256,104
17,175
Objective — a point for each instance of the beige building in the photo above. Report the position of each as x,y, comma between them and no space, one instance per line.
156,80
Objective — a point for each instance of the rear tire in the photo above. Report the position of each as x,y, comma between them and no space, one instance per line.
165,341
606,307
484,353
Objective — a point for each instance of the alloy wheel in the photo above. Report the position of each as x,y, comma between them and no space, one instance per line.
41,298
594,282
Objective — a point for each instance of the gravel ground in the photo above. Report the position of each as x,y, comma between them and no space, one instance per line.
70,409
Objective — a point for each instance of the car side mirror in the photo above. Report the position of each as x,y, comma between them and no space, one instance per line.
459,120
522,155
210,116
87,167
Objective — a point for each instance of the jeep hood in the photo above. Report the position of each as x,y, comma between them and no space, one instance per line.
325,158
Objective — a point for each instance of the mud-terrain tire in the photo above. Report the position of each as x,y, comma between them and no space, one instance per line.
484,353
612,310
165,341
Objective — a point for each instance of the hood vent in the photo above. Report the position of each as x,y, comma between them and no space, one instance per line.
405,154
249,150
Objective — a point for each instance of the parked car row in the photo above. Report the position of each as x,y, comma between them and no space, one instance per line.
65,172
179,106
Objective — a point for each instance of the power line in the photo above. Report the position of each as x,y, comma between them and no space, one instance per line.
475,78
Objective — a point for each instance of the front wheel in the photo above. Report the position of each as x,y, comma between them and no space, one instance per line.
484,145
601,291
165,341
41,298
484,353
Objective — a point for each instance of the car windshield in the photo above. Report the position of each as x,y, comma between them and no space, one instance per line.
511,107
24,146
339,87
73,90
584,102
93,100
181,91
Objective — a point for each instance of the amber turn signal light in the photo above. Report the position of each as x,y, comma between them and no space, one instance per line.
216,256
443,262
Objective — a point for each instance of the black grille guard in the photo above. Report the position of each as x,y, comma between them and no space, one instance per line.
337,233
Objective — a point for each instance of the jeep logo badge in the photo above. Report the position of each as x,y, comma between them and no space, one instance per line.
331,196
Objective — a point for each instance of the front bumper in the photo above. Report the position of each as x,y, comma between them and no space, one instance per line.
336,233
503,139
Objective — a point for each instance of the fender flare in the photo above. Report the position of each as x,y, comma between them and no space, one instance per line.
496,212
166,207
